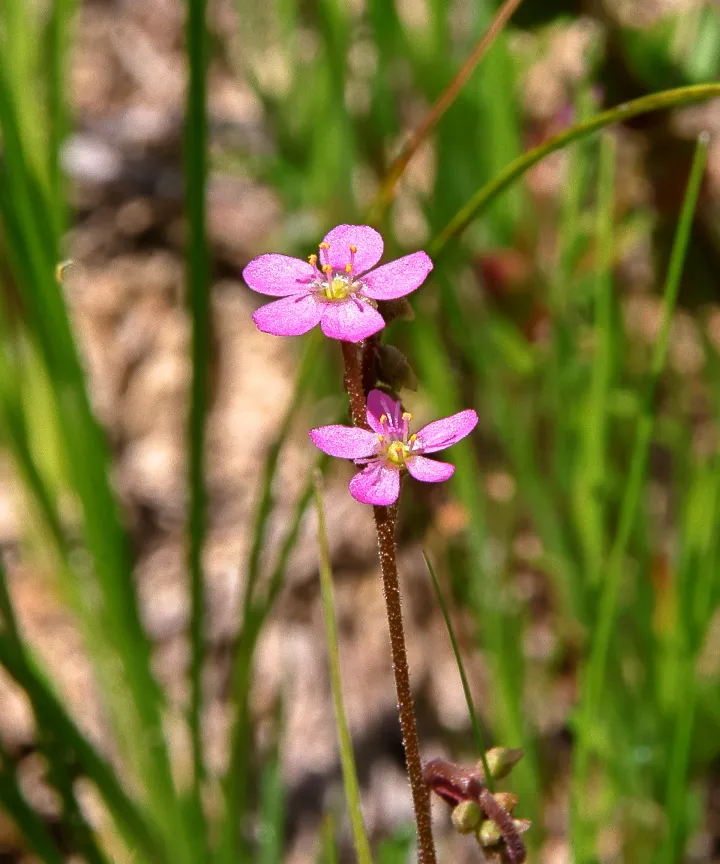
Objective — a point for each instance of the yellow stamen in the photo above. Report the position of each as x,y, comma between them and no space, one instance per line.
381,438
327,268
312,259
407,416
348,268
324,246
353,249
383,419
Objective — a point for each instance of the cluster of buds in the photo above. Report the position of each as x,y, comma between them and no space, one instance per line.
477,811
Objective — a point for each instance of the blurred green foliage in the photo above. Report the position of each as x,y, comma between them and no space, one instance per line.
530,333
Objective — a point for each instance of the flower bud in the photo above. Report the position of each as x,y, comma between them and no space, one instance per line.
507,800
488,834
501,761
394,368
467,816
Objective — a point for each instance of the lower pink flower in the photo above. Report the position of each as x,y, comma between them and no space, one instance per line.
389,449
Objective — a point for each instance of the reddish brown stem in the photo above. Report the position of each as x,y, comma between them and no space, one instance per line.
385,521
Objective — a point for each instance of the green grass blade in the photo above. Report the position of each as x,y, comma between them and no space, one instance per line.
477,729
26,210
347,757
594,676
50,714
23,815
485,196
695,581
592,468
198,279
255,611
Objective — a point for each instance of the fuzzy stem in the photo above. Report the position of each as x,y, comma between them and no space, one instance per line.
385,521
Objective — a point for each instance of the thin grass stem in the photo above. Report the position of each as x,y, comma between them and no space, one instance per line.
198,279
347,757
480,742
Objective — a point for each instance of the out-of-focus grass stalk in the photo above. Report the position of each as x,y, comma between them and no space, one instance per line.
694,590
593,468
435,114
484,590
27,219
477,730
254,612
198,280
594,674
23,815
61,17
49,712
347,757
485,196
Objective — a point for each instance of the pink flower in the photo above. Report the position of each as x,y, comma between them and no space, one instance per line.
340,294
389,449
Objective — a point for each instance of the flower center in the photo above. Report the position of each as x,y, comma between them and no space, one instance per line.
337,288
395,444
397,453
330,283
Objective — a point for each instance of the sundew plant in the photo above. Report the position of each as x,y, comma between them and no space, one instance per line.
482,240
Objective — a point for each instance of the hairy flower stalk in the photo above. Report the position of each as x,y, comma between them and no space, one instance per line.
385,521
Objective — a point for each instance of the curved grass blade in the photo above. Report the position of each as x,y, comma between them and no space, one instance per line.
347,757
645,105
477,729
594,676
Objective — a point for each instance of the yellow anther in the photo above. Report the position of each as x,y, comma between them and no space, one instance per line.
412,439
312,259
327,268
353,249
324,245
381,438
348,268
383,419
407,416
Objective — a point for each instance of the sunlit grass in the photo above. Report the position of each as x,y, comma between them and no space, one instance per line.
570,419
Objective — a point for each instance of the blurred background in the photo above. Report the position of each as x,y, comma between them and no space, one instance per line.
544,316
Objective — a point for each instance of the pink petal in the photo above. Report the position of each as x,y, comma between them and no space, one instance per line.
369,247
376,484
350,320
291,316
428,470
442,433
278,275
397,278
379,403
344,441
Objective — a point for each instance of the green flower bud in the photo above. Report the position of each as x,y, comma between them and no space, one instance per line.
488,834
467,816
501,761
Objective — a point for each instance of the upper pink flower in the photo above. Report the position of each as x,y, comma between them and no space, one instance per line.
340,294
389,449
